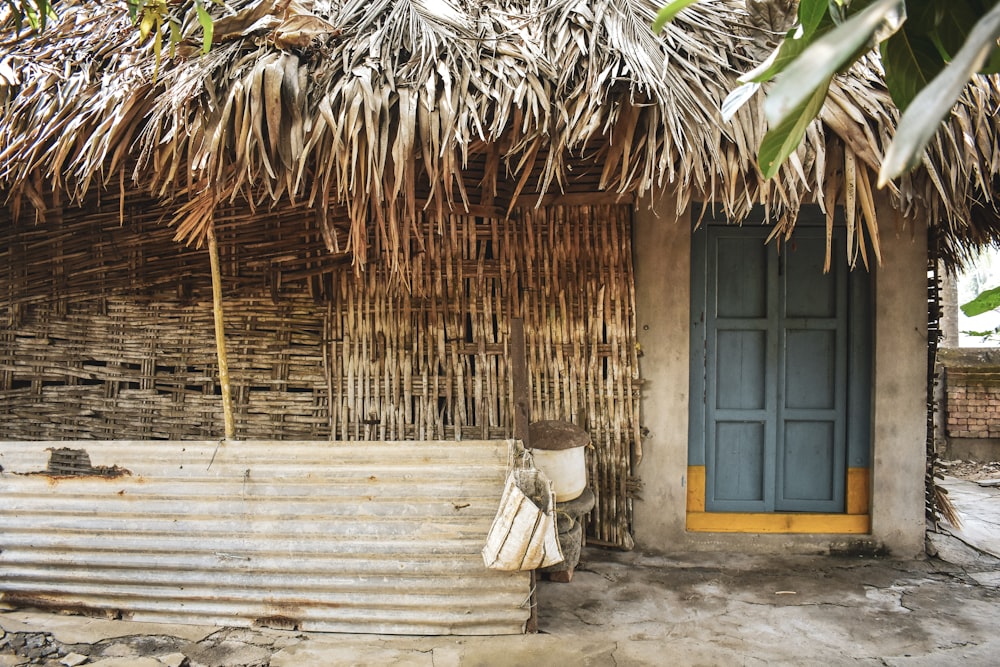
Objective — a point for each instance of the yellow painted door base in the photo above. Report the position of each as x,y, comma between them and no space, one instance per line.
856,520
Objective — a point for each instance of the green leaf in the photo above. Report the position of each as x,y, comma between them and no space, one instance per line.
954,27
794,43
157,41
668,12
813,18
31,14
44,10
15,15
924,115
207,26
175,36
811,15
826,56
983,303
736,99
774,63
839,10
911,61
146,25
985,335
992,65
924,16
781,140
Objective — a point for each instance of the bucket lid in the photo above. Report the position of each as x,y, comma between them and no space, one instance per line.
554,434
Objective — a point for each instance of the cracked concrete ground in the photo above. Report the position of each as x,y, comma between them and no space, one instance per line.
620,609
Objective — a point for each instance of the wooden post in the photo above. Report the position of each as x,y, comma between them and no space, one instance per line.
220,335
519,375
522,419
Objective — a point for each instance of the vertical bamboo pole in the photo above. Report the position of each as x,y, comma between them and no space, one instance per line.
522,420
220,336
519,372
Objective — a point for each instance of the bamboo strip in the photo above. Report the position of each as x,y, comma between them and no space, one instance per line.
220,336
118,346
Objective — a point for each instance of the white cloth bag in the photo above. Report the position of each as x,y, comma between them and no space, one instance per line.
523,535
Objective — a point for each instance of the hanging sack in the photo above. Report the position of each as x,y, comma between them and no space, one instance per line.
523,535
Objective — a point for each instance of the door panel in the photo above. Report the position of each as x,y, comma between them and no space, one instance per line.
740,455
776,367
808,292
742,366
809,465
812,390
741,369
741,274
810,369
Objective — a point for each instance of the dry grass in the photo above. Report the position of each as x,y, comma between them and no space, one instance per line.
379,108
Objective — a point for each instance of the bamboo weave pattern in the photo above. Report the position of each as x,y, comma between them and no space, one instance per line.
106,332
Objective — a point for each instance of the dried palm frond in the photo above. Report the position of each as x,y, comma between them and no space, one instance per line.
946,508
937,503
389,106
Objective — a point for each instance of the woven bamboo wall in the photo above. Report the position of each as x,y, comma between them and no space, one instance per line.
106,332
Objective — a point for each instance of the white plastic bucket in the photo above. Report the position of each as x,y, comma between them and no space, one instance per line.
566,468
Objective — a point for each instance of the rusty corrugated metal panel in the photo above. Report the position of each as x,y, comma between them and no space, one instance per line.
381,537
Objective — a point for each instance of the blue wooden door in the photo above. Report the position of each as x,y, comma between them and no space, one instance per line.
776,365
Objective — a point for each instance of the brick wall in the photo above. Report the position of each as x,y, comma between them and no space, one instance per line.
967,411
973,402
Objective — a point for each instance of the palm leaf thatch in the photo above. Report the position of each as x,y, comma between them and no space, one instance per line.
387,107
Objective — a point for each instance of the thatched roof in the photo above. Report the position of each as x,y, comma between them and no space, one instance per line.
386,107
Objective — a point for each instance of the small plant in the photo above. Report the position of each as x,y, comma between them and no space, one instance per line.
984,302
160,22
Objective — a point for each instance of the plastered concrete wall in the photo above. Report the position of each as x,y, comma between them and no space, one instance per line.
662,261
662,247
899,411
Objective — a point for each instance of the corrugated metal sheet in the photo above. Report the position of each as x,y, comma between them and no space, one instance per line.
381,537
